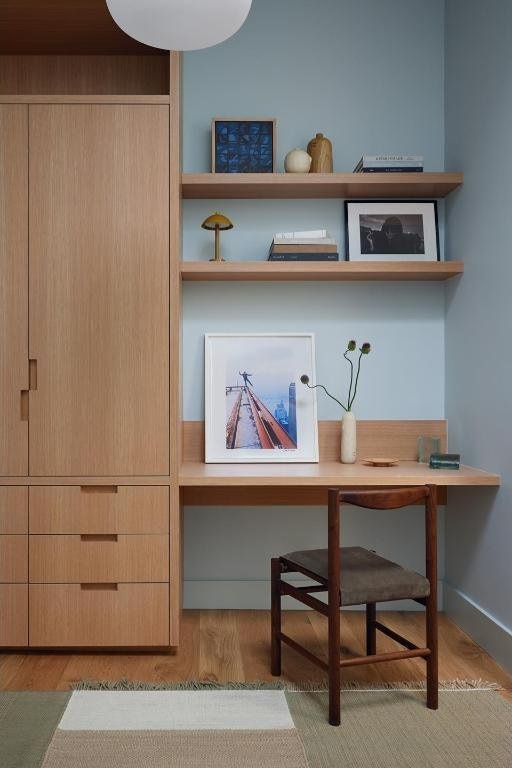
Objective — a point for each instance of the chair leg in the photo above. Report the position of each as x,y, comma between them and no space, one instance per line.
275,616
371,632
334,665
432,660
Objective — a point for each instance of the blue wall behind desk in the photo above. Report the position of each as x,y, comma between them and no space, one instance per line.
479,316
369,75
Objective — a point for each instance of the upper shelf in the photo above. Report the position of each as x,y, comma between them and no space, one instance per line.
319,185
320,270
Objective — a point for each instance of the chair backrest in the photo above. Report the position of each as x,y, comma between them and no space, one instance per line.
392,498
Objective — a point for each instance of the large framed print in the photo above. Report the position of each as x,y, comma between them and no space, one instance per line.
391,230
256,409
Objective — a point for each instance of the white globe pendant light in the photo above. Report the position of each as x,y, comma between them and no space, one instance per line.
179,25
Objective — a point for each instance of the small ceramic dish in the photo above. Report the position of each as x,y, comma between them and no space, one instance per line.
380,461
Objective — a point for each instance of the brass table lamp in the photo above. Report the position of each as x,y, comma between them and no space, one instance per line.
217,221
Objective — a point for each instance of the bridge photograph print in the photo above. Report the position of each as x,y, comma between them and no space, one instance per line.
255,410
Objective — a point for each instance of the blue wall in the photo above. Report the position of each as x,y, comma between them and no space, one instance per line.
370,75
479,315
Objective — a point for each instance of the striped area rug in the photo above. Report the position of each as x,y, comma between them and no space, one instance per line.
176,729
132,725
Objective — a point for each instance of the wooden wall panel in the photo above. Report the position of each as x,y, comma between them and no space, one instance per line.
13,615
63,26
84,75
99,289
13,559
13,509
13,288
397,439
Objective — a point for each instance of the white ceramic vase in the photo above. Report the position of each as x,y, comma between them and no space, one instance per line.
297,161
348,438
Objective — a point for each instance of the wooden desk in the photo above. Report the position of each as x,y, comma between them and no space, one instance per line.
329,474
240,484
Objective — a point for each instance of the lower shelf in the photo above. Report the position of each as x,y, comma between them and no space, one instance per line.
321,270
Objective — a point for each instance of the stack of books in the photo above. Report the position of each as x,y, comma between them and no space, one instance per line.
390,164
313,245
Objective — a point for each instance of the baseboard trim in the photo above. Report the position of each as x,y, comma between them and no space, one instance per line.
484,629
255,595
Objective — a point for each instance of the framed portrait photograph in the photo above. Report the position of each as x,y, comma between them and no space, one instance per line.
256,408
243,145
391,230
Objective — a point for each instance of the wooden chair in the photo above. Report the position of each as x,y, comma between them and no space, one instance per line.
356,576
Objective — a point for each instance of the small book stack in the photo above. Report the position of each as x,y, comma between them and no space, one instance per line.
313,245
390,164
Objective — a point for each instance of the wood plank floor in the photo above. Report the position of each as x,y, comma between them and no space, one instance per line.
234,646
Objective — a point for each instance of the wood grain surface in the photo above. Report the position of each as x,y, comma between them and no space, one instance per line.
99,289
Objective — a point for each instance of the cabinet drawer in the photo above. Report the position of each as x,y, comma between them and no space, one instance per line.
106,615
99,558
99,509
13,509
13,559
13,615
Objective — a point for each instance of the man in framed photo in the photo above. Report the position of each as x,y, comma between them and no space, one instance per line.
391,238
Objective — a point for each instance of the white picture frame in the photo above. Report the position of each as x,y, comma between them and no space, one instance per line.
256,408
391,230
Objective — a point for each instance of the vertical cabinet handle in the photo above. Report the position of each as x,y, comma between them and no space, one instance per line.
32,374
24,405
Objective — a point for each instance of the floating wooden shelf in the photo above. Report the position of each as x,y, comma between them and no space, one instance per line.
318,185
321,270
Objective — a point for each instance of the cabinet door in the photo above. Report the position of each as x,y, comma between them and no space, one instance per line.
13,289
99,289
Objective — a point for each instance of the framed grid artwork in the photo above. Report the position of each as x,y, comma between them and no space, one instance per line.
243,145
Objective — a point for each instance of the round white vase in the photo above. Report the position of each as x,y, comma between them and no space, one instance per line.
297,161
348,438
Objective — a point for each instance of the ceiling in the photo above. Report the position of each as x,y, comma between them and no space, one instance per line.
63,27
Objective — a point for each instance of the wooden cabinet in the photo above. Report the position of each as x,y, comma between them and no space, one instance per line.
13,536
89,315
13,509
92,558
13,559
13,289
99,564
13,566
99,289
97,509
63,615
13,615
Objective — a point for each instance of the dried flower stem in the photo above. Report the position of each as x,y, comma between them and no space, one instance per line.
321,386
357,379
351,378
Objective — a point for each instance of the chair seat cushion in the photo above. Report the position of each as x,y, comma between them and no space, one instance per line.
364,576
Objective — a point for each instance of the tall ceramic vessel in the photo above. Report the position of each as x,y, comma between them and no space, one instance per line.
348,438
320,149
